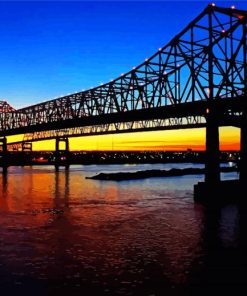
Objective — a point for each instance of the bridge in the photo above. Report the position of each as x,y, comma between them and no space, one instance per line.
198,79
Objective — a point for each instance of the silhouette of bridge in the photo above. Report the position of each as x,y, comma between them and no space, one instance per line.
198,79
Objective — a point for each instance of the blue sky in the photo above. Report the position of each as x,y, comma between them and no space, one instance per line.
50,49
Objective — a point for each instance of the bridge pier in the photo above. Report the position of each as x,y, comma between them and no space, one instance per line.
243,150
212,155
3,143
26,155
214,191
62,155
27,147
209,190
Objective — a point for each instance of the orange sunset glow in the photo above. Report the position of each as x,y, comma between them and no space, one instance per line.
123,148
140,141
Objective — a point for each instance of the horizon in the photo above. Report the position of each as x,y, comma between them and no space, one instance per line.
49,50
133,151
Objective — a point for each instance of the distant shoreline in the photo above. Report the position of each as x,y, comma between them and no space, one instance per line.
121,176
110,157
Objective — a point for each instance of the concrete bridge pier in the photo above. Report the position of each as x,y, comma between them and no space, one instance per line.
209,190
27,147
62,155
213,191
243,150
212,155
4,161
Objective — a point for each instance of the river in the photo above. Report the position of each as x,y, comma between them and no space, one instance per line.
62,234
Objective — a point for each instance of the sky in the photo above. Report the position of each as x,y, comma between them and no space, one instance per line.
49,49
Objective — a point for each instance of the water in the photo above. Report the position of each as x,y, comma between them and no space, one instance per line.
62,234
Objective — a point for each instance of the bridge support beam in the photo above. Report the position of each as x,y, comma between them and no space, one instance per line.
243,150
62,155
204,191
4,161
212,156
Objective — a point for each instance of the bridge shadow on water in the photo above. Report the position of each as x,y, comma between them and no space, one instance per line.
223,266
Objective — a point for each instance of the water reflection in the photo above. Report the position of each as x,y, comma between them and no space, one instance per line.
64,234
4,183
221,265
62,189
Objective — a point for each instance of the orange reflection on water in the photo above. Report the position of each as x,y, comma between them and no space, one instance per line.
68,229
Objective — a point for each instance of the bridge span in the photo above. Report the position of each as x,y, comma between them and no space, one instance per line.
198,79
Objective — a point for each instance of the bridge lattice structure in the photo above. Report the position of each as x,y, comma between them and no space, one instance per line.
202,69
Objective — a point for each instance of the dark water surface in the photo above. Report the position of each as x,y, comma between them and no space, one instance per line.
62,234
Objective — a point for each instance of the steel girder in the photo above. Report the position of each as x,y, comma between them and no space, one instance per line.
205,62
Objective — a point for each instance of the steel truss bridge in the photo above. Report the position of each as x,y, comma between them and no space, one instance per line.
198,79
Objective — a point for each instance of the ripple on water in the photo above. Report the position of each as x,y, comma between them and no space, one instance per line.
145,237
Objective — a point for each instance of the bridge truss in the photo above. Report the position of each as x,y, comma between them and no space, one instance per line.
205,62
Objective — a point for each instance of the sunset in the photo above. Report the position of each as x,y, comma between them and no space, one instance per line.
123,148
166,140
178,140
